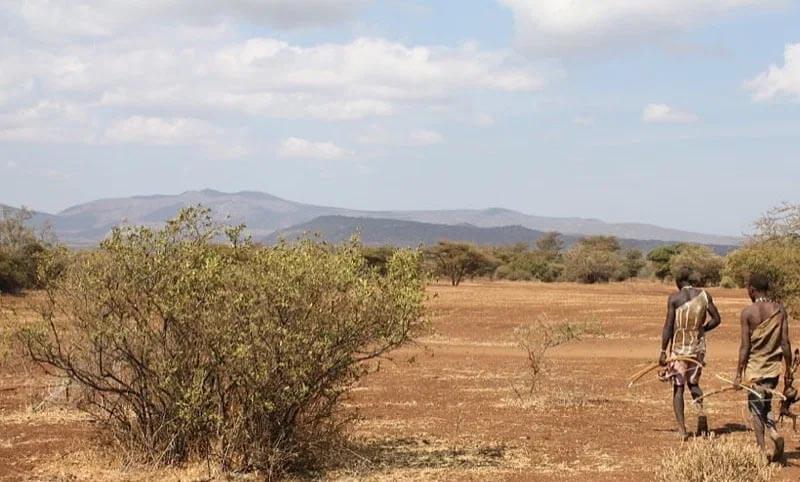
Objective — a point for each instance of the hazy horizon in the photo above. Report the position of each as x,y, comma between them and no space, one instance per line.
682,114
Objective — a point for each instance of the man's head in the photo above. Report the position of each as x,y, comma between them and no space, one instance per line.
757,285
683,277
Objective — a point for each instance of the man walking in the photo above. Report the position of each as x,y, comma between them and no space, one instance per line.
684,335
764,348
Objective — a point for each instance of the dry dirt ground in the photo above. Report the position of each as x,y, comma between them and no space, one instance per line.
454,406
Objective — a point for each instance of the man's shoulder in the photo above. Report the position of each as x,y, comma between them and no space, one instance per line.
749,311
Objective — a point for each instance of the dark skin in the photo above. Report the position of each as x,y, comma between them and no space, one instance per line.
713,319
752,317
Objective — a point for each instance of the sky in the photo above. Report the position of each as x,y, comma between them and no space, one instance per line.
682,113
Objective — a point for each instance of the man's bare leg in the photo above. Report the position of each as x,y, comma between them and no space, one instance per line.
702,420
677,404
777,440
758,426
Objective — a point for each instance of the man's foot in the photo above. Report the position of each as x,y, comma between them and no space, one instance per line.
683,434
702,425
777,454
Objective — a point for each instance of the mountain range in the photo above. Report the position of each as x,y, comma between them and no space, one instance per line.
268,217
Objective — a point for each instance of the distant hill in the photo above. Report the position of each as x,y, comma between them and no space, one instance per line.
377,231
265,214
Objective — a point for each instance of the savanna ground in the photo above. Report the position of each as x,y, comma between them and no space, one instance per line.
455,405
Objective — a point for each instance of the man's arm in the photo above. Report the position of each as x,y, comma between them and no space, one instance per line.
744,348
786,346
667,332
716,319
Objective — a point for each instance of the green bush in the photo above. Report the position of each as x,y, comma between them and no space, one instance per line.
774,251
633,263
21,253
520,262
779,259
595,259
240,355
705,265
660,259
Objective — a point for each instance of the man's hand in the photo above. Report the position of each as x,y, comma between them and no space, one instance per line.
737,382
662,359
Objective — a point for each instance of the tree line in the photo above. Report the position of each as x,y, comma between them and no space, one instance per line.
191,342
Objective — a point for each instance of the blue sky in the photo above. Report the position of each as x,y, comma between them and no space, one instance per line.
683,113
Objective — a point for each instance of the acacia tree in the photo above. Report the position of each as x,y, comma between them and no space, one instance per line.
456,261
240,354
774,250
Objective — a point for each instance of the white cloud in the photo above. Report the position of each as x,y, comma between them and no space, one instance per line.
583,120
779,81
11,165
181,72
379,136
303,149
662,113
46,121
99,18
424,137
569,25
159,131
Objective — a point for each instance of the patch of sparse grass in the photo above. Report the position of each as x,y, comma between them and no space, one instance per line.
537,339
716,459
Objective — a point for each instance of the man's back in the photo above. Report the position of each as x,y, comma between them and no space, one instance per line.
761,311
690,306
765,322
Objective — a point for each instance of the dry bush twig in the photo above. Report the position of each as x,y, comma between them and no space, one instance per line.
716,459
538,338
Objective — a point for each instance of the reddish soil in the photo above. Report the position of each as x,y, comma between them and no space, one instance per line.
456,407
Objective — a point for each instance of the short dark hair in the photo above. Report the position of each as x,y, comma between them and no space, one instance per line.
683,276
759,282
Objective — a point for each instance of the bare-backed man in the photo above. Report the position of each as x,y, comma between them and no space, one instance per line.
764,352
683,337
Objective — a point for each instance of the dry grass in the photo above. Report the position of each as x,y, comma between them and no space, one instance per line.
716,459
452,414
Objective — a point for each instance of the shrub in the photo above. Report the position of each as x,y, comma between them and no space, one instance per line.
240,355
378,257
705,265
728,282
594,260
519,262
536,339
711,459
512,273
21,252
632,264
779,259
660,259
